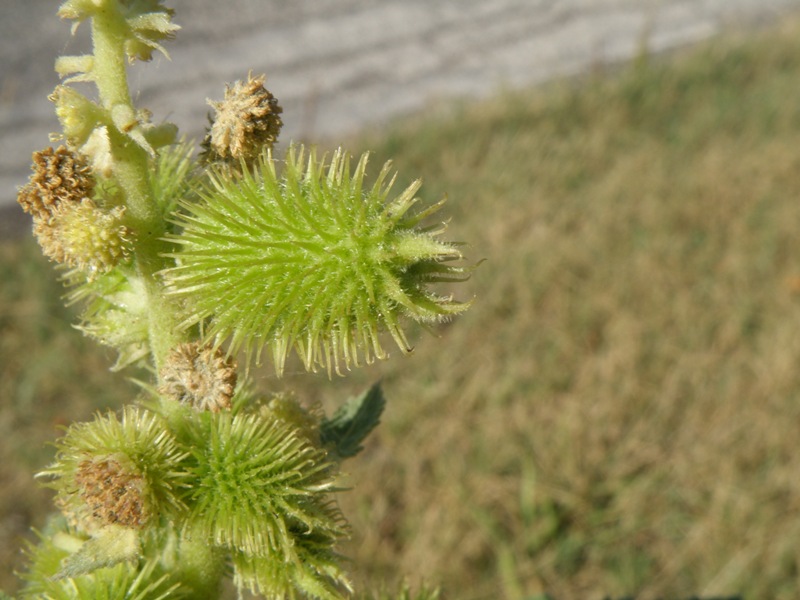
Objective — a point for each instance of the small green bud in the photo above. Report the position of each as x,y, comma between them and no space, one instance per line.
79,10
78,68
150,23
77,114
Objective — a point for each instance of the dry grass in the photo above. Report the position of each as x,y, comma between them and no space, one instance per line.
616,414
49,376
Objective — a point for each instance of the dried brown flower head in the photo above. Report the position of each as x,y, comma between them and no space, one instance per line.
59,177
244,123
69,226
199,375
113,495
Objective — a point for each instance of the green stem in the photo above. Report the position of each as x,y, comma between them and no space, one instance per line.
130,160
131,163
196,564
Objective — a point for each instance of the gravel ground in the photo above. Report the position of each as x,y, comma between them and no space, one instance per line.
340,65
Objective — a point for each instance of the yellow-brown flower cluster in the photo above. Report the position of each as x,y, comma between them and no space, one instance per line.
67,223
245,122
200,376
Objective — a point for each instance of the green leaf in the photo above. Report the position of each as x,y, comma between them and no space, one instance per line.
349,426
143,579
111,545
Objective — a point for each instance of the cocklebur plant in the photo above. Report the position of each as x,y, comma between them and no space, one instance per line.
183,263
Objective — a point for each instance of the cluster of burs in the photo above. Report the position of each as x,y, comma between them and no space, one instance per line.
184,262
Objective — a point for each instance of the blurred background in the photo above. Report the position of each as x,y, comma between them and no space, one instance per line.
616,415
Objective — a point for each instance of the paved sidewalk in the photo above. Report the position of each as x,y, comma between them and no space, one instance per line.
339,65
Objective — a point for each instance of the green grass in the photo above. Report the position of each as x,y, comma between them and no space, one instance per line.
618,412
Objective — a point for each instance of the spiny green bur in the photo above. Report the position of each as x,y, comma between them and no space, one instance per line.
309,260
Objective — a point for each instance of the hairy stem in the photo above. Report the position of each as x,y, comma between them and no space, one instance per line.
130,160
130,164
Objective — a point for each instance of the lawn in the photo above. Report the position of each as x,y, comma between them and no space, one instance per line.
615,414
